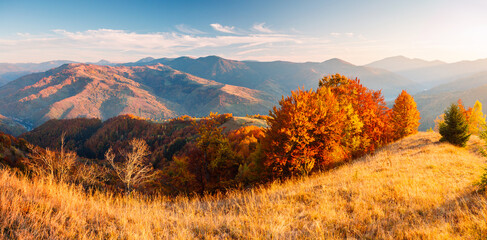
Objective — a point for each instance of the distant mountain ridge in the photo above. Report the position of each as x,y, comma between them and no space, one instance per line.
431,73
401,63
279,77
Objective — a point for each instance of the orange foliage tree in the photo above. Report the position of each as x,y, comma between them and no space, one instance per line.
368,119
304,133
246,143
405,116
314,129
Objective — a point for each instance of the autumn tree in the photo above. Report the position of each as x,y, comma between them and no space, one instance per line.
368,124
455,127
476,119
405,116
55,165
133,171
246,142
466,112
217,165
304,133
438,121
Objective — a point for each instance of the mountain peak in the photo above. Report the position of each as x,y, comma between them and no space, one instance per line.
146,60
337,61
103,62
212,59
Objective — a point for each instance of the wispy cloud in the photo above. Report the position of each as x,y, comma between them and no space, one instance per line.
121,45
261,28
251,51
221,28
189,30
337,34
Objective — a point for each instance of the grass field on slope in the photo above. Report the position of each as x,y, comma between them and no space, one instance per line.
414,188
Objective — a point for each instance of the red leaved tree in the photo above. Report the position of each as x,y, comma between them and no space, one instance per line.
304,133
368,119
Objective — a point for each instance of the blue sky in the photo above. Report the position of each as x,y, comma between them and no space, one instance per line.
355,31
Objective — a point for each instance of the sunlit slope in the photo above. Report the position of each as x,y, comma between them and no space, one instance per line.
416,188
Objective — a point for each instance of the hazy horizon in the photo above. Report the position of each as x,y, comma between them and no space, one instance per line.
355,31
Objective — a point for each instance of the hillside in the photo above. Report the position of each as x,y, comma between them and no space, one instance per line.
11,127
93,91
91,138
12,151
415,188
279,77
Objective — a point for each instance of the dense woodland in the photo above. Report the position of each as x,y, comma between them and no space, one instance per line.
309,131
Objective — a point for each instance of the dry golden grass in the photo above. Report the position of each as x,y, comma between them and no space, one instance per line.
416,188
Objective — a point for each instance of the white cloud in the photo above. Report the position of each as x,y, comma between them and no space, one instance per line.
261,28
337,34
225,29
189,30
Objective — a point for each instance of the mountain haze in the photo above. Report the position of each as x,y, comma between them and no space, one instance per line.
280,77
401,63
12,71
431,74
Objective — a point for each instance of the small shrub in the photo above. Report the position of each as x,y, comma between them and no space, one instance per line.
483,181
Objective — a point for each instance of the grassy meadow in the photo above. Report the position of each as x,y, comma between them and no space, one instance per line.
415,188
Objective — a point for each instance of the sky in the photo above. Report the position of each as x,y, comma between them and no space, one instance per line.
306,30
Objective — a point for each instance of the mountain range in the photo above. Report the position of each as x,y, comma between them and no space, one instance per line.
93,91
279,77
430,74
169,87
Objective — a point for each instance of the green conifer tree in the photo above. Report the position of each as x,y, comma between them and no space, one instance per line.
455,127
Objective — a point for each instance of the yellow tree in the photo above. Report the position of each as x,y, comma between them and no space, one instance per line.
476,120
439,119
405,116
